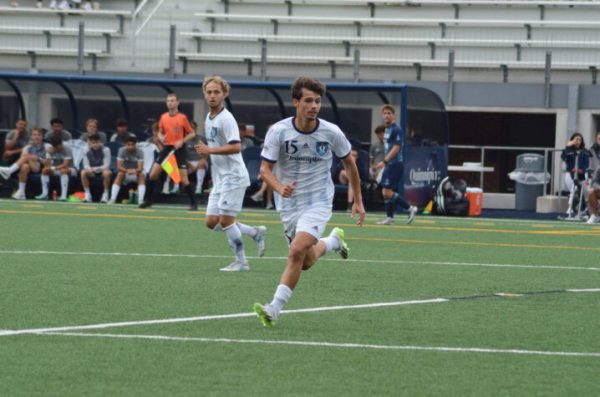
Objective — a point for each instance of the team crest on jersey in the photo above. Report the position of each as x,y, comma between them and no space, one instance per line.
213,132
322,148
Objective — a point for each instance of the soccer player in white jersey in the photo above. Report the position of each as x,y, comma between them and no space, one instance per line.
229,174
297,157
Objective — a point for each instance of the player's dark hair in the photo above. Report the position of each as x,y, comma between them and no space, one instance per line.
310,84
122,123
577,134
56,120
94,138
56,140
131,138
380,129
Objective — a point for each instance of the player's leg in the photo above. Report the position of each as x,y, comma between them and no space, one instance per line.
64,184
593,196
141,180
116,187
106,175
85,182
200,174
154,174
46,173
181,156
235,200
24,171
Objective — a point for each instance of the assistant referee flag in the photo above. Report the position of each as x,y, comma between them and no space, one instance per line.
171,168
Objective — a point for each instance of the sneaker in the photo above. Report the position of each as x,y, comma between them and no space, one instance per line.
412,213
193,207
261,231
386,221
270,206
4,173
18,195
165,191
338,233
236,266
267,317
62,198
87,198
145,204
43,196
257,197
111,201
593,219
104,198
175,189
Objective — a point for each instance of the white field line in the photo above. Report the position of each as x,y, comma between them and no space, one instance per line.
584,290
334,345
211,317
159,255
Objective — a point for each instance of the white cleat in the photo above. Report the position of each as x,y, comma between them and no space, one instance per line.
18,195
87,199
111,201
386,221
338,234
104,198
593,219
236,266
412,213
265,313
261,231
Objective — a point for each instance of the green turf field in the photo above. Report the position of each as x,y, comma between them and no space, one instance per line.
100,300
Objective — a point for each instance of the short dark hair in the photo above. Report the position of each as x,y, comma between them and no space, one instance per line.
380,129
389,107
56,141
309,83
94,137
242,126
131,138
56,120
122,123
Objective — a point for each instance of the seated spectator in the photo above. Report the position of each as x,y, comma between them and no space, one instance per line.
15,141
344,180
245,135
58,162
57,129
122,132
594,188
156,138
31,160
130,169
265,189
96,163
577,159
196,162
377,154
91,127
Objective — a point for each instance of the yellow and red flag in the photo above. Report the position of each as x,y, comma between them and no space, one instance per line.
170,166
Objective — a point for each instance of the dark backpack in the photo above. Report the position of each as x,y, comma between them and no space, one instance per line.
450,198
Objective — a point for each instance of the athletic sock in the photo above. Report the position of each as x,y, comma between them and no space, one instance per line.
45,183
283,293
13,168
234,236
248,230
141,192
86,190
115,192
331,243
200,178
22,187
64,186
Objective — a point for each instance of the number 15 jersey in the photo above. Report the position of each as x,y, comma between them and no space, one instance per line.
304,157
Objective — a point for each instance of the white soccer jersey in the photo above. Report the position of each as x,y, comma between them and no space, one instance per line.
305,158
228,171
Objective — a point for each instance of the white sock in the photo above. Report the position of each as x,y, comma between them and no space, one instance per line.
200,177
217,228
166,185
114,192
283,293
85,189
331,243
234,236
64,186
22,187
45,183
245,229
141,192
13,168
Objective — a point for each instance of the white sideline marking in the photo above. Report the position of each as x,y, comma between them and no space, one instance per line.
584,290
211,317
140,254
334,345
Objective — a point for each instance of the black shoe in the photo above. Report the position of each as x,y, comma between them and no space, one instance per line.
145,204
193,207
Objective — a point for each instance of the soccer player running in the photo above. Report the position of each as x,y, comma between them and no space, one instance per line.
229,174
393,168
175,130
297,158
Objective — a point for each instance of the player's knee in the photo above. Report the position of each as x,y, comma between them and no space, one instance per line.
213,224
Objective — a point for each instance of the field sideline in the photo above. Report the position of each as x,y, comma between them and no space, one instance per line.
101,300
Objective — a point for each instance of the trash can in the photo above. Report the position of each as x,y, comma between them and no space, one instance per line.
530,177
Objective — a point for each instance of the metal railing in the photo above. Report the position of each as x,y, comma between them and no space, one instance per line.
524,149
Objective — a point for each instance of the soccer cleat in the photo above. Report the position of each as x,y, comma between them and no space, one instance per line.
343,250
43,196
264,313
111,201
145,204
62,198
257,197
236,266
593,219
386,221
18,195
4,173
261,231
412,213
87,199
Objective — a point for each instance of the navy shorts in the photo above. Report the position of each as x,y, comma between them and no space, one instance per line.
392,175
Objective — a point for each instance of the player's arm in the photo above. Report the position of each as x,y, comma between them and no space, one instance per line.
267,176
120,167
354,182
9,147
229,148
64,165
